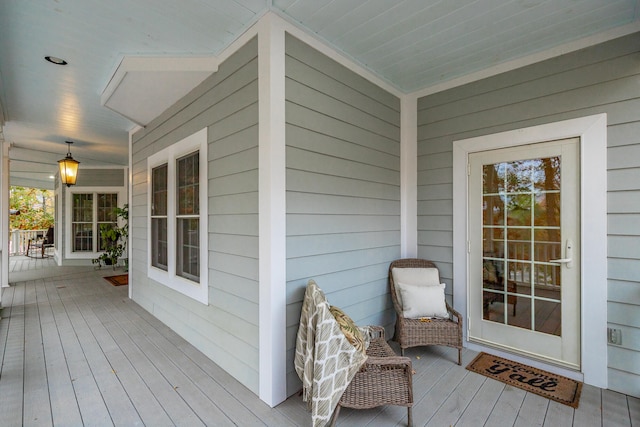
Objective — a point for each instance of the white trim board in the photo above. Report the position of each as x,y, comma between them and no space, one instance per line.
4,218
409,176
130,201
592,131
272,210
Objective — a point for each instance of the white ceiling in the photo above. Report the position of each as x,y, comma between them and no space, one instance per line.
411,44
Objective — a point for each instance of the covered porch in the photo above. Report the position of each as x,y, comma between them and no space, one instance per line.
75,350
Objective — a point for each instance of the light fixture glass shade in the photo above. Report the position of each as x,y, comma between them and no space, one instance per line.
68,170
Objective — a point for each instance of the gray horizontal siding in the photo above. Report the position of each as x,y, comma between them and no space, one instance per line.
227,329
343,189
600,79
100,177
309,56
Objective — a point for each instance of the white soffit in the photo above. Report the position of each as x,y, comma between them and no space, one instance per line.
143,87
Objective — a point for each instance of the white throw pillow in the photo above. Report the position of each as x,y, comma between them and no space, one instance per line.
423,301
414,276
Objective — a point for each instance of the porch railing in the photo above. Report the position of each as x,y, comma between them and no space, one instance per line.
19,240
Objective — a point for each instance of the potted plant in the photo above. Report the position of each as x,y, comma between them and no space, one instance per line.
114,240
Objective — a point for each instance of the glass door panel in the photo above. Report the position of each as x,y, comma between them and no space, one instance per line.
527,187
525,228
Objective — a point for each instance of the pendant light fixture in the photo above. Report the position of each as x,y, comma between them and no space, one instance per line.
68,167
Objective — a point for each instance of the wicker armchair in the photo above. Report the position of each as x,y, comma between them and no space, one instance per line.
384,379
415,332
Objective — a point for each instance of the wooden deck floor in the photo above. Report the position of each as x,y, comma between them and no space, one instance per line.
19,264
75,351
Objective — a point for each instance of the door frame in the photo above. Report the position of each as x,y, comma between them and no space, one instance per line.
592,131
562,349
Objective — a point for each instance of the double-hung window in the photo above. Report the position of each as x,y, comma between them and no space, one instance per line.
177,217
106,217
90,209
188,217
82,226
159,217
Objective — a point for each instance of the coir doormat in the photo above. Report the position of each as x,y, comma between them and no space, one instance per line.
543,383
119,280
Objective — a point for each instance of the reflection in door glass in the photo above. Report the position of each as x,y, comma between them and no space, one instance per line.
521,234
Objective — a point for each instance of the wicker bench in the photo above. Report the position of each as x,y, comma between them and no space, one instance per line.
384,379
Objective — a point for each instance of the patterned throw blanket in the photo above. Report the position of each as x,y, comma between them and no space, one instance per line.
325,360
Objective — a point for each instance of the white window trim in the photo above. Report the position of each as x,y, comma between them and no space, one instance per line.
69,192
169,155
592,131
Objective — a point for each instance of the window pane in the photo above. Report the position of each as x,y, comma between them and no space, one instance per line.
106,204
82,222
493,242
159,190
159,246
548,317
82,208
547,244
188,245
521,234
104,243
159,257
519,277
82,237
493,178
519,312
547,174
106,207
188,177
518,176
519,210
493,306
548,283
519,243
493,210
547,209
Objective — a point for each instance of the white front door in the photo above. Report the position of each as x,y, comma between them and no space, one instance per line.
524,259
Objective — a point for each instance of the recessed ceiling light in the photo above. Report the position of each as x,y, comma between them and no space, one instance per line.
55,60
51,176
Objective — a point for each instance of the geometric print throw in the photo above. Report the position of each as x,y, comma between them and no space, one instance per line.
325,360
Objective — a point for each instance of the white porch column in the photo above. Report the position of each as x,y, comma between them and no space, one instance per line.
272,210
129,179
409,176
4,217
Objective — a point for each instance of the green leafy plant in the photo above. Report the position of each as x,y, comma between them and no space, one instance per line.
31,208
114,240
